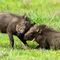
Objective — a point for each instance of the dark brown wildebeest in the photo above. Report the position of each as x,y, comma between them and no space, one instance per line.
14,25
46,37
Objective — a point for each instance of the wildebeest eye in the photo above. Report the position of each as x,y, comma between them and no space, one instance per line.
23,22
31,34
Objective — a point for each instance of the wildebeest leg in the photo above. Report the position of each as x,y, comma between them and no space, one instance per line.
24,42
22,39
11,39
37,47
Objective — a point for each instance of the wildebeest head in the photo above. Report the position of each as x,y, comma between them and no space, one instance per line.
24,25
34,31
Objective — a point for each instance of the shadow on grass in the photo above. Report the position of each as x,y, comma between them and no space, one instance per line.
4,55
4,45
16,46
31,45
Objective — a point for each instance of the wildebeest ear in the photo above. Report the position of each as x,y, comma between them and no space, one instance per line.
25,15
33,24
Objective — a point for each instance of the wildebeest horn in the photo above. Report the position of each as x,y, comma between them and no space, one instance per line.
25,15
37,30
33,40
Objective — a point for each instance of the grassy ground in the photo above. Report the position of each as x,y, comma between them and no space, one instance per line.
40,11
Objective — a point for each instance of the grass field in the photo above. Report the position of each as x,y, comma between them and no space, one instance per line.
39,11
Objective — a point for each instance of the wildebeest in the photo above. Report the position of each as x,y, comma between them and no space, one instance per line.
45,36
13,24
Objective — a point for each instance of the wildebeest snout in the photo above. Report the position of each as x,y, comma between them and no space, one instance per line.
19,32
27,37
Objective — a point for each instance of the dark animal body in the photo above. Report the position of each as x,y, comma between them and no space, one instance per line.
46,37
14,25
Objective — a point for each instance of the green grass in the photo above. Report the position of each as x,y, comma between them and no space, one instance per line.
40,11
